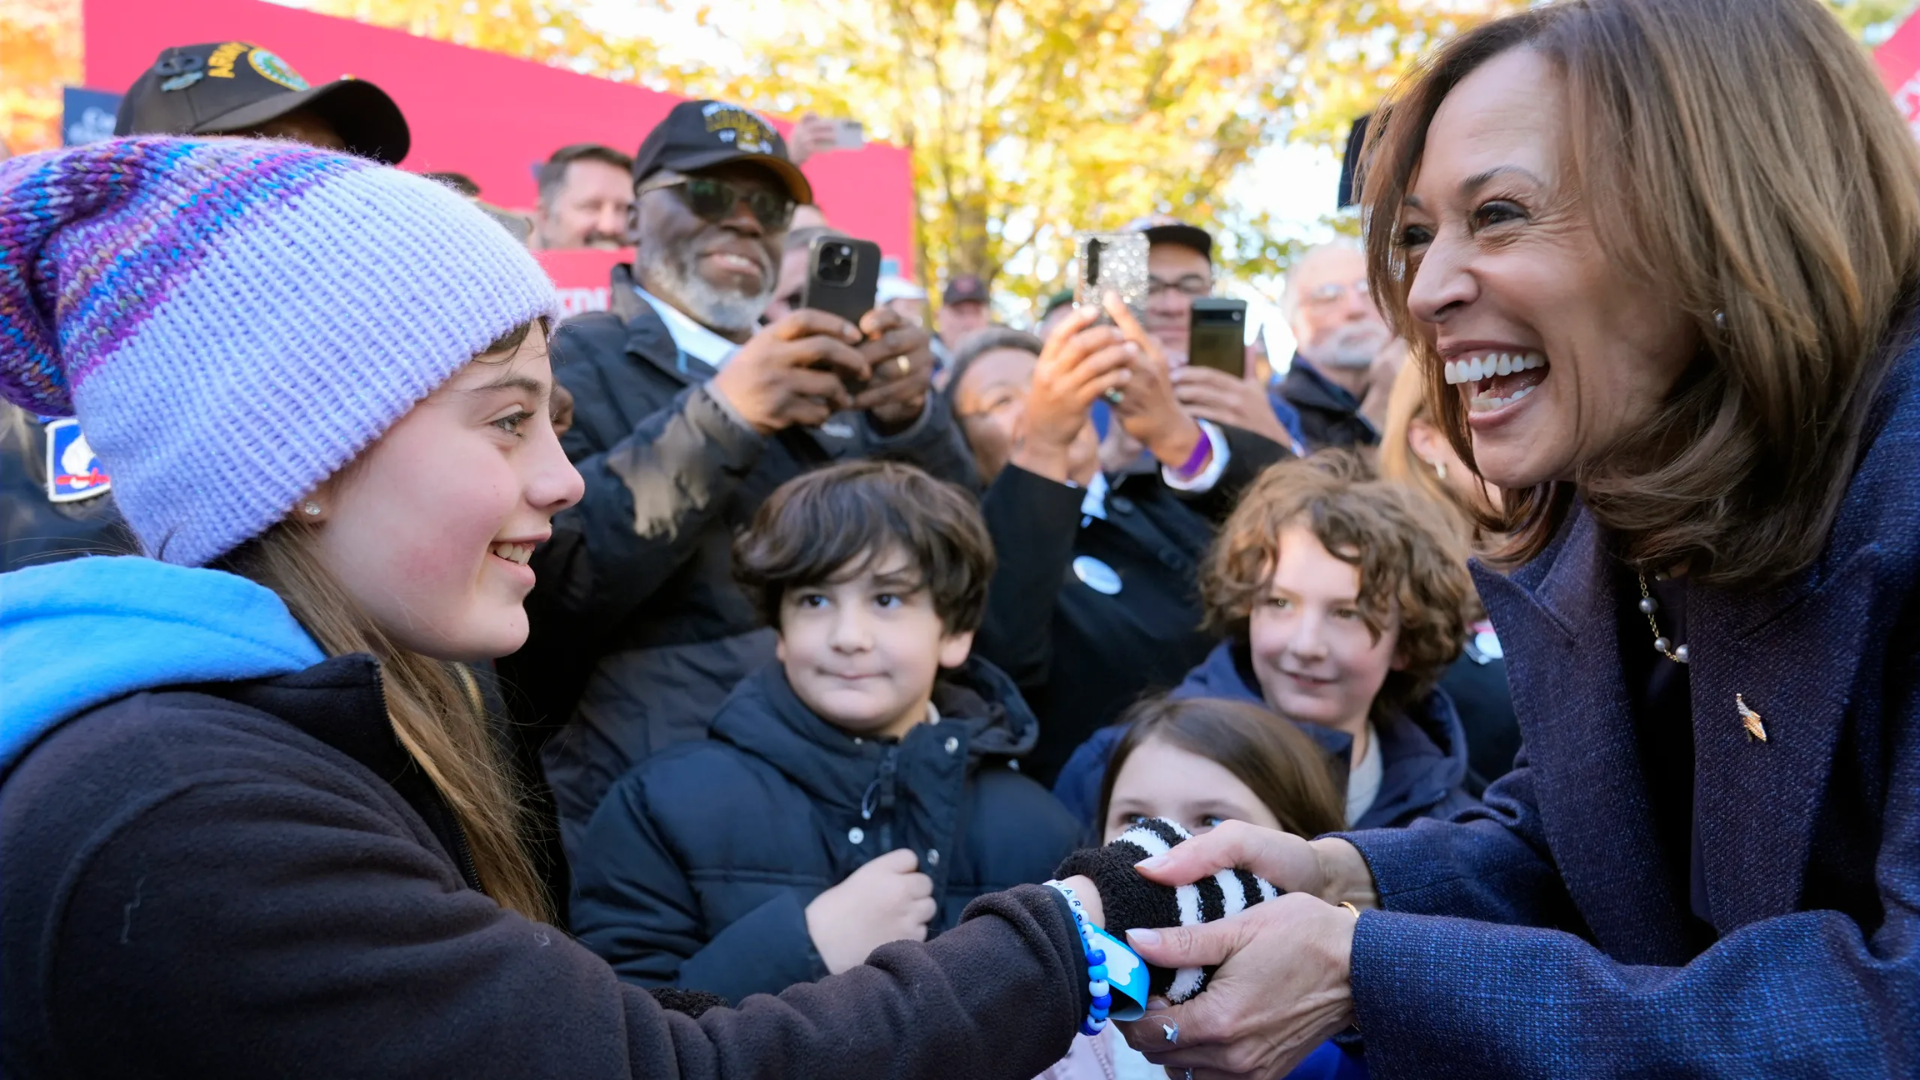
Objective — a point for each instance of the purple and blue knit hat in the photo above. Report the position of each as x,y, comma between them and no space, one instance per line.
233,320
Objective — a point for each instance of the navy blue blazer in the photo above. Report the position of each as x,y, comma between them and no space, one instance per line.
1810,840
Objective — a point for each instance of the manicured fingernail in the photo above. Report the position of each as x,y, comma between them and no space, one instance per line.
1153,863
1140,936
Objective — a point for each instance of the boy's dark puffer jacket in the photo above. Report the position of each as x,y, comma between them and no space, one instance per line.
698,866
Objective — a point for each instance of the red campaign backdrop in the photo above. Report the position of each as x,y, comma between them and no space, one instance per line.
489,116
1899,61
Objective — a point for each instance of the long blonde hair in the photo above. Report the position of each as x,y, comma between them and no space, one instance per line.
434,705
1406,404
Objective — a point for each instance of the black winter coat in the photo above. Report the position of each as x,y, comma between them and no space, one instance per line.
253,879
1329,415
639,632
699,865
1081,655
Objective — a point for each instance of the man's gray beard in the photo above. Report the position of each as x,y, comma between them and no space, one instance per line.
675,280
1353,347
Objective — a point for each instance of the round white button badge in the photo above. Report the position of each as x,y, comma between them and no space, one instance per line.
1097,575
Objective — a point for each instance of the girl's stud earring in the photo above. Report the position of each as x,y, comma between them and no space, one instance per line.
310,508
1720,320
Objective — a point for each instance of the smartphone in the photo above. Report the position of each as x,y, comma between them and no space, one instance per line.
1217,335
1111,263
849,135
842,275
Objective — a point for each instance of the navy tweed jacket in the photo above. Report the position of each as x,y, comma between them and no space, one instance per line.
1539,937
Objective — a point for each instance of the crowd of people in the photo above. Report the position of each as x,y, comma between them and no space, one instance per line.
400,681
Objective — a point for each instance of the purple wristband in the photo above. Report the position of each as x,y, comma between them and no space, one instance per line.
1196,461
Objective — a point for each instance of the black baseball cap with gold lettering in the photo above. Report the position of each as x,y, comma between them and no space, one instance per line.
231,87
701,134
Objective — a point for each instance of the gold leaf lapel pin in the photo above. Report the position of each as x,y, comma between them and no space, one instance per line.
1751,719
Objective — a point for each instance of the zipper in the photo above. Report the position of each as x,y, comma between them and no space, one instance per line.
889,771
462,852
471,684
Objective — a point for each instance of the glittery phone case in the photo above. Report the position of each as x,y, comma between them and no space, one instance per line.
1111,263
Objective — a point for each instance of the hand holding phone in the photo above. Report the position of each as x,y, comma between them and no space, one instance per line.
1217,335
1111,264
842,276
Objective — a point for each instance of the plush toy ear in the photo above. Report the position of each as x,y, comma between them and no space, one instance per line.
1131,902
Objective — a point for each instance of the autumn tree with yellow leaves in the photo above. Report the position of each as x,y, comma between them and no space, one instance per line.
1027,119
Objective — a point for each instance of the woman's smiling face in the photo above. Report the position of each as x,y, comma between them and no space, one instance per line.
1556,351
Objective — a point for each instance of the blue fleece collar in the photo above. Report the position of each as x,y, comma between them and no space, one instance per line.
83,632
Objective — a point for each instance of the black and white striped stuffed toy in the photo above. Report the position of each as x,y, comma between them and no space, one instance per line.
1132,902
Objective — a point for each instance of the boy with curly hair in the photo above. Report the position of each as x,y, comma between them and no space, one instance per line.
1342,600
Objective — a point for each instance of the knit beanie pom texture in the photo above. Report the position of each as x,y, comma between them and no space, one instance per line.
233,320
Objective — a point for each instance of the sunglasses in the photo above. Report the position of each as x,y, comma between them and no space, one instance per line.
713,200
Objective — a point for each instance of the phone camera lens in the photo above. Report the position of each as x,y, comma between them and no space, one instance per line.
837,263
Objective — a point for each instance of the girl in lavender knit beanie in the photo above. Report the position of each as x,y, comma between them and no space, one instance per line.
234,320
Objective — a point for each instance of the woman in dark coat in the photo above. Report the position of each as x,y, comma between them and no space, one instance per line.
1659,257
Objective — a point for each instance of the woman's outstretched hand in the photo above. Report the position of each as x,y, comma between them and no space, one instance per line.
1282,986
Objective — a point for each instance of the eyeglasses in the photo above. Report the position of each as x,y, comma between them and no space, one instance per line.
1333,292
1190,285
713,200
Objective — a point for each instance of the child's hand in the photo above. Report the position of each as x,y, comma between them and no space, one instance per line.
886,900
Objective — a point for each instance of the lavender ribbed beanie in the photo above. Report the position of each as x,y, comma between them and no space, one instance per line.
233,320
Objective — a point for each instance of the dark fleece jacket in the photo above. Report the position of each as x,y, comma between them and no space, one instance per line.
252,880
698,866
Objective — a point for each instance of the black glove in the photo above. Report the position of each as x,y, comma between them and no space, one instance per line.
1132,902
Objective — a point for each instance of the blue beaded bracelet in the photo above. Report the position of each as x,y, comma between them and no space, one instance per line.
1096,965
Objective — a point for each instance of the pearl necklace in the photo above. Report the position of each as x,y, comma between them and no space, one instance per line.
1661,643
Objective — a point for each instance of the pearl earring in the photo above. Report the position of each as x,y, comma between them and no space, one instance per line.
1720,320
310,508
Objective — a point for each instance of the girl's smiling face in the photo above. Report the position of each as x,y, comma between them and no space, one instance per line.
431,528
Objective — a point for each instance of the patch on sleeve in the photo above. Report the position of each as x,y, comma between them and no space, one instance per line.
73,470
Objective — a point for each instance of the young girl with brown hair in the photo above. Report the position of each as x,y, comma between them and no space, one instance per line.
1197,763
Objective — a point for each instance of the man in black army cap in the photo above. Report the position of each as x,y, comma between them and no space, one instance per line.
687,414
234,88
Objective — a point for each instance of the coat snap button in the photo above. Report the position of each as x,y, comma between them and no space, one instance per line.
952,744
856,835
933,857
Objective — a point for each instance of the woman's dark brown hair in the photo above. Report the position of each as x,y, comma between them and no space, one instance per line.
1412,562
1278,763
1741,157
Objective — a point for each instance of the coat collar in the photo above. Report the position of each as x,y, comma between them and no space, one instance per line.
1423,752
341,702
1792,653
1305,385
978,704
